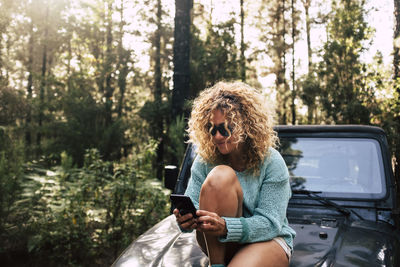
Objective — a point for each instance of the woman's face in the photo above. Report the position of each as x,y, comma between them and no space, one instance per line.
224,144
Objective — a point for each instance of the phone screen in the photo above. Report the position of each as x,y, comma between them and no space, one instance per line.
184,204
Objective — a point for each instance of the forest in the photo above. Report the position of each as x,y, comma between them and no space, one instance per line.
95,96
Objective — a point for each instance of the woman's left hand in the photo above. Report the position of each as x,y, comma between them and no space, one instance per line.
211,223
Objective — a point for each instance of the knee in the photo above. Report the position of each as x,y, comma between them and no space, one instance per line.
220,178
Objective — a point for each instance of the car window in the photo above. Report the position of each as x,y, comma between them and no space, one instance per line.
336,166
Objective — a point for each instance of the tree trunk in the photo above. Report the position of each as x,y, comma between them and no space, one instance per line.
306,4
293,105
283,70
2,79
396,50
42,84
242,44
123,57
396,62
158,94
109,90
181,75
69,59
28,136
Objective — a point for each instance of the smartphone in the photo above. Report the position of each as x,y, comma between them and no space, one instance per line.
184,204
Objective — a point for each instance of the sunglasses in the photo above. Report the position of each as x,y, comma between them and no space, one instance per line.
221,129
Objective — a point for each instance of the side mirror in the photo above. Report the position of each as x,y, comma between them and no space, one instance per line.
170,176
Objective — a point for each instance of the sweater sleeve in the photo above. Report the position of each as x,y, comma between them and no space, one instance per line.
198,174
269,215
197,177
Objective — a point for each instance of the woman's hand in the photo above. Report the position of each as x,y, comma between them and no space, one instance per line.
185,222
211,223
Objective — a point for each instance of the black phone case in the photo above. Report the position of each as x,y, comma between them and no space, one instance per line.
184,204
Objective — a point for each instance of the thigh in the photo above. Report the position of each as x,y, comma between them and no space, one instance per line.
231,248
268,253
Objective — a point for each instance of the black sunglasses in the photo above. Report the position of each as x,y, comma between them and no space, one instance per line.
221,129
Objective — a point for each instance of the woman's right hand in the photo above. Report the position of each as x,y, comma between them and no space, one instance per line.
185,222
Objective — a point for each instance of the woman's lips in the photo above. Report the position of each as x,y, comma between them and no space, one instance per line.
222,145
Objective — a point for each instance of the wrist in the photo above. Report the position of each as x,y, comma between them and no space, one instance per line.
225,230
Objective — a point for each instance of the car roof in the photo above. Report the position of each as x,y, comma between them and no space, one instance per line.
328,128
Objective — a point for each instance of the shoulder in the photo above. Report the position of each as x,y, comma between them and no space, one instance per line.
273,157
200,166
274,166
199,162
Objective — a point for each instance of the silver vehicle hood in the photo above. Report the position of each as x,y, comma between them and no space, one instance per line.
164,245
343,244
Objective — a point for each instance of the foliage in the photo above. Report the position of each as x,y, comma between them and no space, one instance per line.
176,134
85,127
12,106
276,27
11,160
388,118
82,217
222,60
310,93
344,89
215,58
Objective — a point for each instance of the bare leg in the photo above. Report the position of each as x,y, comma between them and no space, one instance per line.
221,193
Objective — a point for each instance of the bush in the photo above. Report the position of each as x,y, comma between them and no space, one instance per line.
11,172
86,216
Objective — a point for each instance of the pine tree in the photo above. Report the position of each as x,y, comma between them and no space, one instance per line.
396,89
273,22
181,76
342,72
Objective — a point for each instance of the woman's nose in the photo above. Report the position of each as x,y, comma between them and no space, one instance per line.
219,136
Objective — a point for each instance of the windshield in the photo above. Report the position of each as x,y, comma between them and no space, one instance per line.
339,167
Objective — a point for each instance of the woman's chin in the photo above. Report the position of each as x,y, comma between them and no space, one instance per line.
223,149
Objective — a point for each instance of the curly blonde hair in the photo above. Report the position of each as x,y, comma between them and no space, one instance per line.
245,110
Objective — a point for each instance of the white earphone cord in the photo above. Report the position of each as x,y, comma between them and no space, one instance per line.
208,252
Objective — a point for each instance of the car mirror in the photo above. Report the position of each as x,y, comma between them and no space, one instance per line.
170,176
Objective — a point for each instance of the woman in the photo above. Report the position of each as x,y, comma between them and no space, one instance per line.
239,182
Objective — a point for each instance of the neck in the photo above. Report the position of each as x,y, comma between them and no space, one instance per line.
237,160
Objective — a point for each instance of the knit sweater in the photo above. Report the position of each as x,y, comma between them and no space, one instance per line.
265,200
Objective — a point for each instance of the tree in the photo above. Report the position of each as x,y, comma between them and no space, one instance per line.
155,110
181,59
43,80
28,137
295,36
100,79
396,89
39,55
222,59
342,72
215,58
123,62
396,48
309,89
242,44
273,21
108,69
7,10
309,94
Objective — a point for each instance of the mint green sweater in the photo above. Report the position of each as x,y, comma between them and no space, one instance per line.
265,200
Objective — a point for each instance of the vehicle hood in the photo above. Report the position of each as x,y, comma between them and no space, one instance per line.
324,243
164,245
343,243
